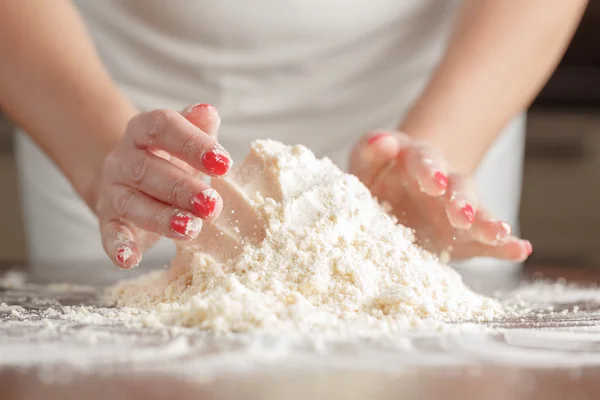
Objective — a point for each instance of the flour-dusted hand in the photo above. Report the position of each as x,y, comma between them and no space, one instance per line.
150,184
441,206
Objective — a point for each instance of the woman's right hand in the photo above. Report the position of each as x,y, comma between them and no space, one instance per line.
151,183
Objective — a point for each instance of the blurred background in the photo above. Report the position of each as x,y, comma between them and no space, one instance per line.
560,210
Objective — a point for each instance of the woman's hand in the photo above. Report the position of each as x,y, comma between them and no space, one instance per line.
442,207
151,183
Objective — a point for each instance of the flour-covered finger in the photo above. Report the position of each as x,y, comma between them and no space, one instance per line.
513,249
461,201
146,213
205,117
489,230
119,243
167,183
171,132
427,167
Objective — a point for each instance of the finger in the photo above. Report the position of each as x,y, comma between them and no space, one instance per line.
513,249
461,201
488,230
417,166
169,131
427,167
372,153
168,184
131,205
205,117
119,244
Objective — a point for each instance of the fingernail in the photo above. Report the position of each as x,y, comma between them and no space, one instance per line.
216,161
199,107
376,137
124,253
186,225
441,180
468,212
204,203
208,121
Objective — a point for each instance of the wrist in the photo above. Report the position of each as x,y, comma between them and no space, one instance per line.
462,147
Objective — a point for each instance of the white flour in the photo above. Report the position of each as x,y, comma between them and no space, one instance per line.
302,262
301,246
42,331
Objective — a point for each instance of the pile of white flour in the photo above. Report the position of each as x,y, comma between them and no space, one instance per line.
302,246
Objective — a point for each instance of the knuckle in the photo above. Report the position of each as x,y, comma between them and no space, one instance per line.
123,203
191,146
158,220
111,231
138,169
179,191
158,123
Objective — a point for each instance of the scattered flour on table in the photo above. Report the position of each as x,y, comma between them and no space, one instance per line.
302,246
542,293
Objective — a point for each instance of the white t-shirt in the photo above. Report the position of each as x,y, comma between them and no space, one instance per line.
319,73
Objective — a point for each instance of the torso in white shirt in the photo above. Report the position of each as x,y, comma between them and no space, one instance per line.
319,73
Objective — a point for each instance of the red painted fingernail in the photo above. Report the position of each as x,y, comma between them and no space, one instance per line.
124,253
441,180
376,137
468,212
186,225
204,203
216,161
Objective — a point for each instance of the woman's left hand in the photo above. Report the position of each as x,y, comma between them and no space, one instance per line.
441,206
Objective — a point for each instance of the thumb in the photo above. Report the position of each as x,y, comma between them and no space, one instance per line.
372,153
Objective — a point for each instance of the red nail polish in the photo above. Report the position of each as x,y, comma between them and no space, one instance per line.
441,180
216,161
204,203
124,253
468,212
376,137
186,225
